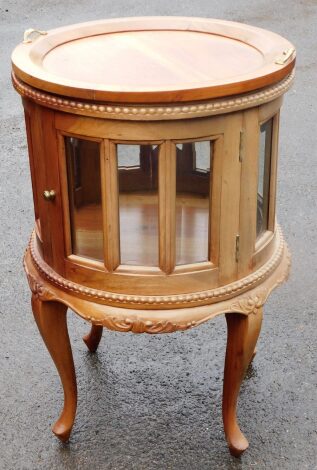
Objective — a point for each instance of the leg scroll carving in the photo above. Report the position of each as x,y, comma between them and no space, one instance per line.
92,339
243,332
51,321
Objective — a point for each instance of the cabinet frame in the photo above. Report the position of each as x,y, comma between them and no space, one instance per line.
230,200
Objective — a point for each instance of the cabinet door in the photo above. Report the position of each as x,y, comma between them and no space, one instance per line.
43,155
52,212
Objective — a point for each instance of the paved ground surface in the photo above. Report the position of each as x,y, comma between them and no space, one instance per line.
154,402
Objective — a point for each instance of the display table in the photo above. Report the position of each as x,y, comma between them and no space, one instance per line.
153,147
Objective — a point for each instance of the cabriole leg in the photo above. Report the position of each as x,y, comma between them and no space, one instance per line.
51,321
254,354
92,339
243,332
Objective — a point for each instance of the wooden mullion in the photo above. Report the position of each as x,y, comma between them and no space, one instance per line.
110,204
230,199
214,201
66,177
249,189
167,207
273,175
268,149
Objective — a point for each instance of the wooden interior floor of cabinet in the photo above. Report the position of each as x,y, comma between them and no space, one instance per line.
139,229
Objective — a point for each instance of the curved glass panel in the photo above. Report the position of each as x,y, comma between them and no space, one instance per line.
138,204
193,187
264,172
84,193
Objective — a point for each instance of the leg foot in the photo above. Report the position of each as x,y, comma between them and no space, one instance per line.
243,332
93,338
253,355
51,321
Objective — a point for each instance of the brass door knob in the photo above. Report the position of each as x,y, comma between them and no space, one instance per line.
49,195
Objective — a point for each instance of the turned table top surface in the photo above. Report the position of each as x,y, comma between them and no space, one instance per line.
153,59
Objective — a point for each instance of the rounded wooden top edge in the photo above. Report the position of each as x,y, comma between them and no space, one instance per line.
272,72
154,112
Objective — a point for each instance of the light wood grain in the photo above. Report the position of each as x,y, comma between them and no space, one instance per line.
151,245
153,59
230,197
51,321
243,333
249,144
92,339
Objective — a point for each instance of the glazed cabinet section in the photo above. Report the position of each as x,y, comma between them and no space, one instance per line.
142,209
135,204
140,185
152,206
258,156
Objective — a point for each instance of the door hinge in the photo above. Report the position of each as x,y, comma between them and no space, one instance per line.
237,248
241,146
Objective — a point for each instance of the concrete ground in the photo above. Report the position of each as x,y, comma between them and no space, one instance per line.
154,402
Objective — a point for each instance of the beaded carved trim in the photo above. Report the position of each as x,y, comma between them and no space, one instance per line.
148,112
198,298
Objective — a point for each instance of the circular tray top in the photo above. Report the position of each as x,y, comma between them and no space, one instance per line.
153,59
